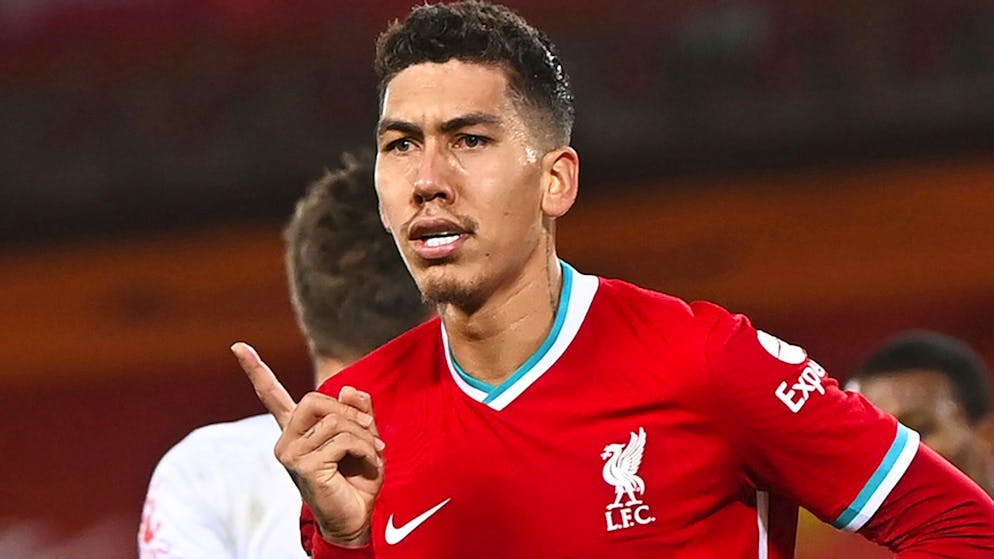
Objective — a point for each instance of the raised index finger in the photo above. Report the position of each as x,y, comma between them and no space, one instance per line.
267,387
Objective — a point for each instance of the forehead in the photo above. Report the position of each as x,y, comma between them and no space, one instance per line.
438,91
908,390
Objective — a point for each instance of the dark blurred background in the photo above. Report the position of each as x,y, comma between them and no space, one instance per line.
824,166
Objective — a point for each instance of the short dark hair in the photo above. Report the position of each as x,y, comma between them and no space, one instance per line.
483,33
932,351
348,284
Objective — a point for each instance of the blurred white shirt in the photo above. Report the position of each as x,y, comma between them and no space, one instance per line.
221,493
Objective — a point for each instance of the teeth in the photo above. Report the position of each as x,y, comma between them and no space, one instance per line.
440,241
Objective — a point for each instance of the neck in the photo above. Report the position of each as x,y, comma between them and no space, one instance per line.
983,473
491,342
327,367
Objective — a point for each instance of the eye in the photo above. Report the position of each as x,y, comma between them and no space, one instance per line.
472,141
401,145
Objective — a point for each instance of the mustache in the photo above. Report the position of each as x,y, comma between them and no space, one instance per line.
462,222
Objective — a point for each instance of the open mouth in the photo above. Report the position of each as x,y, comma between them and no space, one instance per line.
437,238
434,241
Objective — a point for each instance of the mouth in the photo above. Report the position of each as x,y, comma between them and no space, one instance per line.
435,239
440,240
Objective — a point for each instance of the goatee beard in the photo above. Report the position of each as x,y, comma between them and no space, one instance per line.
443,291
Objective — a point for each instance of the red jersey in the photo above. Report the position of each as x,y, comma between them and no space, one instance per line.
643,427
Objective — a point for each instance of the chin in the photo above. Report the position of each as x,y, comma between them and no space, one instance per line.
440,287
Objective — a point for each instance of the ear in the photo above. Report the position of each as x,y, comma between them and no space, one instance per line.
560,180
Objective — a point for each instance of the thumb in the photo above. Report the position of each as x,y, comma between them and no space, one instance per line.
267,387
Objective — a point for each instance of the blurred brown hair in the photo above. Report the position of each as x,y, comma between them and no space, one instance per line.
348,284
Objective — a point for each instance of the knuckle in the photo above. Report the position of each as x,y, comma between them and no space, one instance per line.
332,421
305,469
283,456
311,399
351,412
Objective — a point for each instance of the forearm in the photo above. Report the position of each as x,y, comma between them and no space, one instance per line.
934,512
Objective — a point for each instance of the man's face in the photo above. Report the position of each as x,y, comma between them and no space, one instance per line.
459,177
925,401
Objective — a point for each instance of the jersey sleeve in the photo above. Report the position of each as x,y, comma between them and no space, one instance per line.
799,435
322,549
934,511
179,517
795,432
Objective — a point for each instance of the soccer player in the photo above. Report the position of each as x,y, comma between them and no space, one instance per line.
220,492
938,386
550,413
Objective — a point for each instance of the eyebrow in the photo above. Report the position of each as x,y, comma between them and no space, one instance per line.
471,119
447,127
398,125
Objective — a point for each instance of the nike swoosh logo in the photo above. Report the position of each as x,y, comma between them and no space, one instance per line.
394,535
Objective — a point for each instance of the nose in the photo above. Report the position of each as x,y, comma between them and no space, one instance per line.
432,180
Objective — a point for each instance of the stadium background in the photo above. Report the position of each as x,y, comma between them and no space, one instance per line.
824,167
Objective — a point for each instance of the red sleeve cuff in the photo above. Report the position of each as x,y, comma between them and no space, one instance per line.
934,511
323,549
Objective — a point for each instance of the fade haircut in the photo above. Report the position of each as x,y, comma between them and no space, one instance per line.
490,34
348,284
924,350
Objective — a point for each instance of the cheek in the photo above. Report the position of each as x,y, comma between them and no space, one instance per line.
947,442
517,216
392,200
939,443
516,197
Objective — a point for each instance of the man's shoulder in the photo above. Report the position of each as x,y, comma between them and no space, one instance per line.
251,428
221,486
416,342
254,434
392,362
640,305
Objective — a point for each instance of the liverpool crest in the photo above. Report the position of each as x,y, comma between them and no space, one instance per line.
621,467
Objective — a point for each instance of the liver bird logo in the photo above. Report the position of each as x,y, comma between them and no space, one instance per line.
621,469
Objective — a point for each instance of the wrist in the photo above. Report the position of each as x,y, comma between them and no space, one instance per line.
361,538
324,549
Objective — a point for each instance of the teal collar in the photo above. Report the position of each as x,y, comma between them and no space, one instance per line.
574,299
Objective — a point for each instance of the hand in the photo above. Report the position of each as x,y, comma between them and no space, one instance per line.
330,447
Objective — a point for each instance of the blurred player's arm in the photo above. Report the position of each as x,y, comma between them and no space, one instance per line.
799,435
180,519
